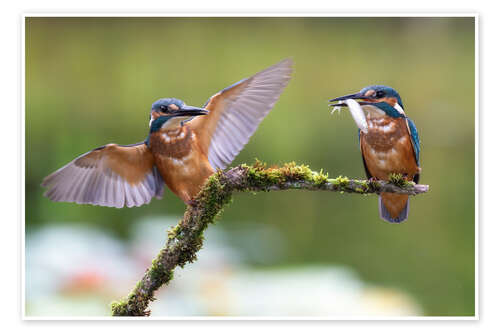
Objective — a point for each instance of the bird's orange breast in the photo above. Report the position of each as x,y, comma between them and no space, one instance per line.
181,163
387,148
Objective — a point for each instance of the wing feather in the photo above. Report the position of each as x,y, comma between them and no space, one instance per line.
236,111
415,141
368,174
111,175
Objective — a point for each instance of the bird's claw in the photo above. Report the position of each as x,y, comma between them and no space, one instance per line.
192,202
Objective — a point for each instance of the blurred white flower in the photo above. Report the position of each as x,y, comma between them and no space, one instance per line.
74,261
73,270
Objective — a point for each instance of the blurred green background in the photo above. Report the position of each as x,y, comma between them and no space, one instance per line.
91,81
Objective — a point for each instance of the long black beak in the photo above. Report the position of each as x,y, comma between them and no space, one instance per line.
189,111
351,96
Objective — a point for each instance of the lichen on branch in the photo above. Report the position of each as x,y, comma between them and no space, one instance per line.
186,239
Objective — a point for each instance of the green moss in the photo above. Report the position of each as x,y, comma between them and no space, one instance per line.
362,186
261,176
119,308
319,178
340,181
174,232
186,239
399,180
213,197
157,272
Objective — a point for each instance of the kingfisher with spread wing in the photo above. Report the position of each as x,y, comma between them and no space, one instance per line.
184,147
389,143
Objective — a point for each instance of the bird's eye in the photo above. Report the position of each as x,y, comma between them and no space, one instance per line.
379,94
163,108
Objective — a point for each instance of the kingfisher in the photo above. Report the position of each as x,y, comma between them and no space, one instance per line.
185,145
388,141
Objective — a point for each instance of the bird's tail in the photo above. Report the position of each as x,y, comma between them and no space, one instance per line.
393,208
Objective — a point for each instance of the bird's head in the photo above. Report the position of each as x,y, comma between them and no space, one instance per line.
383,98
169,113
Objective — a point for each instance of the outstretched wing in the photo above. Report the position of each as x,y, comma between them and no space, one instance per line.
235,113
111,175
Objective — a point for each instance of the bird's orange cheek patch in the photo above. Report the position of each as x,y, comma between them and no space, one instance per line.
390,100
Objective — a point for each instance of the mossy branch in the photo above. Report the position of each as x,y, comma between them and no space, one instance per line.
186,239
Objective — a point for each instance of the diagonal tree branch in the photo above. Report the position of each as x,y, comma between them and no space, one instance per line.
186,239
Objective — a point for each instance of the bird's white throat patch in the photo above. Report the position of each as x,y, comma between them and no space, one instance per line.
399,108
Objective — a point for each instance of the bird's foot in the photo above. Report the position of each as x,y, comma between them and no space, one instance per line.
192,202
372,182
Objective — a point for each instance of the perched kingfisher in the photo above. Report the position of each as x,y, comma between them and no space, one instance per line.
389,143
184,147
